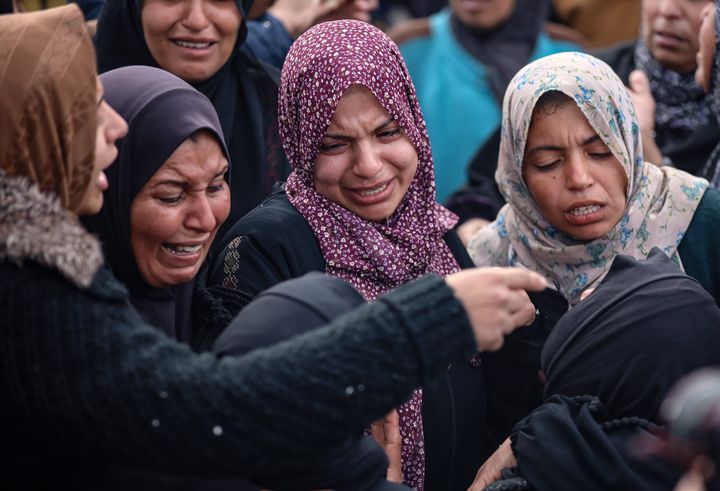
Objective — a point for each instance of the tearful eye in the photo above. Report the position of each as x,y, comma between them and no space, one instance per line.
169,199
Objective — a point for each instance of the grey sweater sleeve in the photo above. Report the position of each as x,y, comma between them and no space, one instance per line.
87,378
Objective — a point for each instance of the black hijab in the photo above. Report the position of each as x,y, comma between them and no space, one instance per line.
243,91
506,48
162,111
609,362
646,325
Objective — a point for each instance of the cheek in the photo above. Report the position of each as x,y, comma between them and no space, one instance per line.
327,174
151,226
221,207
543,191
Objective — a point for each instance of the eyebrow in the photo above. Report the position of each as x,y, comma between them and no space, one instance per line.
555,148
344,137
183,184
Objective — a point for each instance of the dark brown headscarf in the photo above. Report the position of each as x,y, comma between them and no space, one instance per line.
48,109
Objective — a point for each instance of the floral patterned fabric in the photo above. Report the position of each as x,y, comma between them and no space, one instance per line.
373,256
661,201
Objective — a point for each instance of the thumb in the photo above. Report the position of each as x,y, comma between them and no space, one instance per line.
639,82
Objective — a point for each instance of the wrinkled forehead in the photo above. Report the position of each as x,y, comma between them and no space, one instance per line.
592,85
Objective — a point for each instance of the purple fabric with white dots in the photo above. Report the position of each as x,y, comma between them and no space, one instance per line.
373,256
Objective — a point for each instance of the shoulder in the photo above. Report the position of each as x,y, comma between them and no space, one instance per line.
274,221
707,214
272,243
45,294
700,246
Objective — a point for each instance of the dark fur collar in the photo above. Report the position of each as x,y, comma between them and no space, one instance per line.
34,226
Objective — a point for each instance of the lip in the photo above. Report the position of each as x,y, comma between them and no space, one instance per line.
102,181
366,200
170,259
193,52
473,5
587,218
668,40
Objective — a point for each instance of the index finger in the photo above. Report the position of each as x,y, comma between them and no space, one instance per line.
522,279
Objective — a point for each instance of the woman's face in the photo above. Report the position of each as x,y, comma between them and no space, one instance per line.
365,162
671,31
577,183
175,216
191,38
707,41
483,14
110,127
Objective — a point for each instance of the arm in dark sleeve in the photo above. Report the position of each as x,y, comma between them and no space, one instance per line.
93,379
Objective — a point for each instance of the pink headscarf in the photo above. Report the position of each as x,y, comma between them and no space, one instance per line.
373,256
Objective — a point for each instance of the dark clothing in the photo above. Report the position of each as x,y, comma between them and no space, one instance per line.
268,40
149,100
293,308
609,363
699,249
86,382
243,91
572,443
274,243
688,152
511,374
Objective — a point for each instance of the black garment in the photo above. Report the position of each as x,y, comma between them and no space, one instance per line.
293,308
274,243
481,198
243,91
689,152
643,327
85,382
162,111
257,252
609,362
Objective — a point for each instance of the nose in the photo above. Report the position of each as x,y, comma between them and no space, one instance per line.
116,126
669,8
577,174
201,217
195,17
368,162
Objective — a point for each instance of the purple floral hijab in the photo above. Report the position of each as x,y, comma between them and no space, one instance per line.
373,256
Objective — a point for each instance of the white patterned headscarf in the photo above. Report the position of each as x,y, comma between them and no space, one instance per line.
661,201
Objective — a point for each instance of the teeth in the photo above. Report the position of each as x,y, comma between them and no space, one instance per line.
584,210
376,190
188,44
178,249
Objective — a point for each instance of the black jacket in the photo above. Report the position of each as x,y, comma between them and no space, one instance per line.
274,243
86,383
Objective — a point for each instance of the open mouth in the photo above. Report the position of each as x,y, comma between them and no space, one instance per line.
373,191
181,250
192,45
584,210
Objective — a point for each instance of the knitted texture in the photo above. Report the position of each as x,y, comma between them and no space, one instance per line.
83,376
